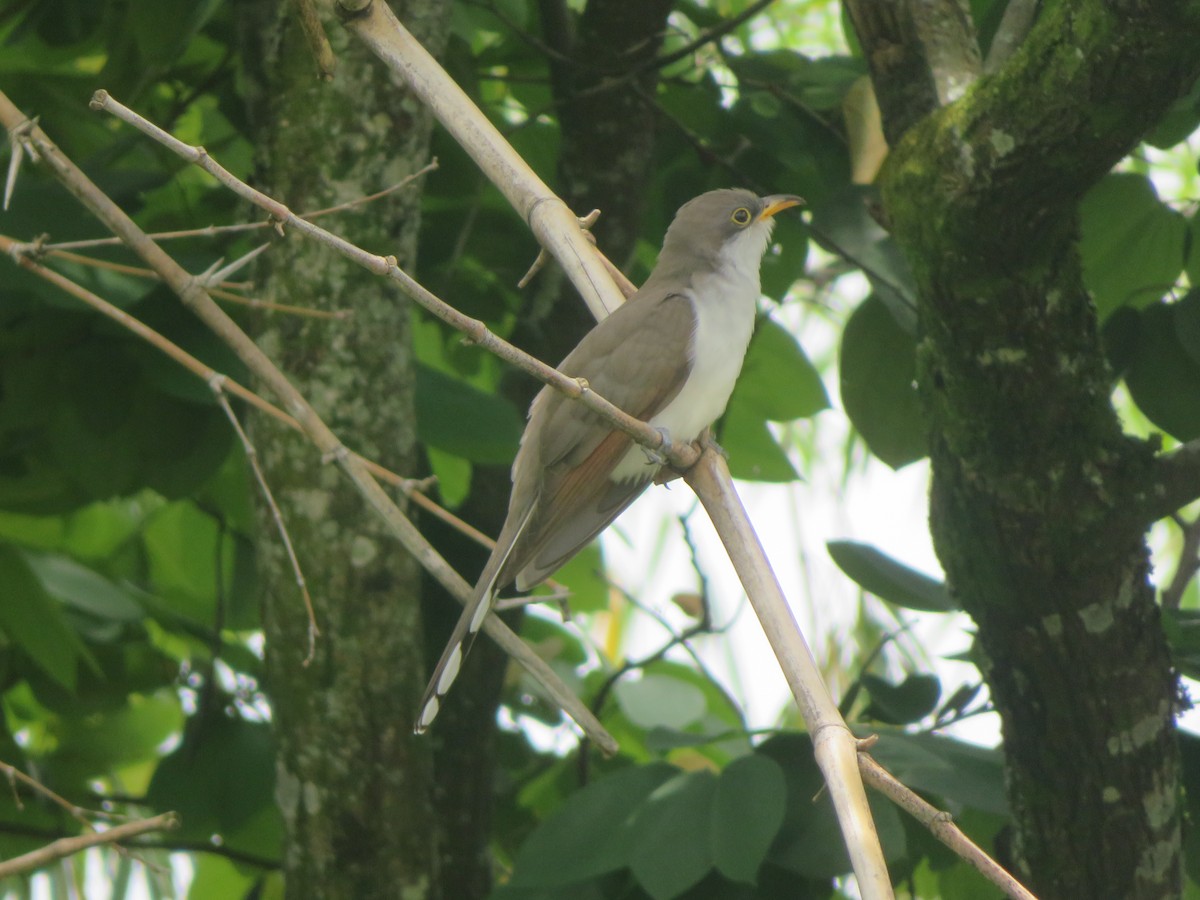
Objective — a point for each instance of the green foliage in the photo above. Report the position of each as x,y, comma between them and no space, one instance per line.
1164,362
129,599
1131,243
878,369
777,384
888,579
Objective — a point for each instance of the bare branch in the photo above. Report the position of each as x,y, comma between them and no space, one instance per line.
1014,26
64,847
922,55
1188,566
217,383
1176,481
681,457
835,746
196,299
78,813
318,41
214,230
413,489
552,223
941,826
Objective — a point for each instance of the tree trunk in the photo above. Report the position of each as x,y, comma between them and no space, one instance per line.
353,782
1038,499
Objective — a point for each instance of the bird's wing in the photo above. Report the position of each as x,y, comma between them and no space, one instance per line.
636,359
562,496
640,365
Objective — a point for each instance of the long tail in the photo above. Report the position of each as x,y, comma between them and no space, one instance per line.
461,638
467,627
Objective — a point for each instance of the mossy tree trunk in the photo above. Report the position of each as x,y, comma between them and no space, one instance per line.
1040,503
354,784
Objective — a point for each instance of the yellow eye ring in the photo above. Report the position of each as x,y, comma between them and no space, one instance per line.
741,216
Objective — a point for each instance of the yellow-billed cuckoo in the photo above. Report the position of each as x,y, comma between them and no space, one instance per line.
669,356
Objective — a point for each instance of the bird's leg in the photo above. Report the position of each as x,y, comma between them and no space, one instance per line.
659,457
706,441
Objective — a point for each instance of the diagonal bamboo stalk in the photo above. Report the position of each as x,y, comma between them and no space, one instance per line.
558,230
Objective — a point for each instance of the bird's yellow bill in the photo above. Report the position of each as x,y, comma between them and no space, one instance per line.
778,203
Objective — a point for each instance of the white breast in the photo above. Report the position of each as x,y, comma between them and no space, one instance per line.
725,305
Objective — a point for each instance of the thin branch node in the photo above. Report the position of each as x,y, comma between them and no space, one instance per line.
539,263
419,485
338,454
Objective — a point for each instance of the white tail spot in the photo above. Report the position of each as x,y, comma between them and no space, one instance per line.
450,672
485,605
428,714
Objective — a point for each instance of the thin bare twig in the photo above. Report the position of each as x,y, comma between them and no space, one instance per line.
328,444
681,457
1189,563
318,41
217,384
548,217
65,847
941,826
78,813
214,230
412,488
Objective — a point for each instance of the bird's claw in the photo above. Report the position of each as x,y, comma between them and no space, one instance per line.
708,442
659,457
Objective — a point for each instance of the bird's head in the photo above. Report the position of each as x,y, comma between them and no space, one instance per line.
731,224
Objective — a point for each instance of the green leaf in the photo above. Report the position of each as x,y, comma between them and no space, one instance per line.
1187,323
84,589
453,475
591,833
554,641
1179,122
181,544
1163,377
787,259
747,812
778,382
1131,243
33,621
962,773
842,223
671,834
754,454
221,776
1182,629
163,30
216,876
92,745
584,577
460,419
901,704
1193,257
810,841
877,369
889,580
660,700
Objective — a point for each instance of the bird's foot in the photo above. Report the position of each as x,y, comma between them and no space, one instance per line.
658,457
708,442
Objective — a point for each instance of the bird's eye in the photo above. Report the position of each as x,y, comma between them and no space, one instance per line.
741,216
